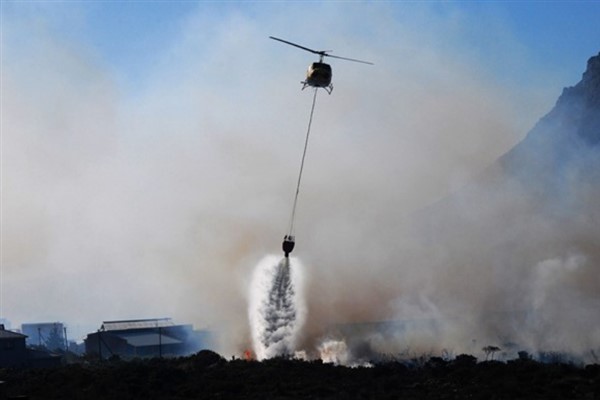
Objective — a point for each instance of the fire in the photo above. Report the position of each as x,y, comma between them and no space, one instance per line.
248,355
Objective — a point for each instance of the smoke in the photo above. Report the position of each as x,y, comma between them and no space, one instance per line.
158,201
276,307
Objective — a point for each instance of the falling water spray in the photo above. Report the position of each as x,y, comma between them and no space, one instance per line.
276,308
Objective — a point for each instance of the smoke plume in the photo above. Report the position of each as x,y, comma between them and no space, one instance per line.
158,199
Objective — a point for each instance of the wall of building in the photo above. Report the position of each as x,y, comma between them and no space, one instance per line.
46,334
13,352
176,340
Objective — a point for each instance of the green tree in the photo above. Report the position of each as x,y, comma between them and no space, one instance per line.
55,341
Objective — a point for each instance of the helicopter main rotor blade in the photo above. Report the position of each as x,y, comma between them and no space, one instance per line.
321,53
348,59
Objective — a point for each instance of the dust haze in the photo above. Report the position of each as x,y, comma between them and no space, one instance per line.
159,201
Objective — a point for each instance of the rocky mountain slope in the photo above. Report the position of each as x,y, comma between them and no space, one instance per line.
514,257
563,139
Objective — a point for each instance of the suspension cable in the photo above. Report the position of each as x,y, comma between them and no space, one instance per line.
312,110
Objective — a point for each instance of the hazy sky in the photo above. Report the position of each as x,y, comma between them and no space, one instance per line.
150,149
128,37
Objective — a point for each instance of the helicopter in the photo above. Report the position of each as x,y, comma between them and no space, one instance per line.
319,73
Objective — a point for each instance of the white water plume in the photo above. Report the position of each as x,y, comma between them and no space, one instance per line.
276,306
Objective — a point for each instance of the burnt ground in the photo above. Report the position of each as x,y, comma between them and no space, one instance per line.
207,375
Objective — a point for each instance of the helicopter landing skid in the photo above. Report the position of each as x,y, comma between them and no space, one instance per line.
328,88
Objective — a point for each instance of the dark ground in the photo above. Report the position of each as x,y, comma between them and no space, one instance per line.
207,375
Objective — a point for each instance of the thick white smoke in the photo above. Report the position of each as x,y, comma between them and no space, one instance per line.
120,203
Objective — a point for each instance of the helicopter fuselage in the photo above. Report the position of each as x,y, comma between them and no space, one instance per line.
318,75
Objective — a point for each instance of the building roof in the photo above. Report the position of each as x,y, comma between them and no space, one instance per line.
36,325
136,324
4,334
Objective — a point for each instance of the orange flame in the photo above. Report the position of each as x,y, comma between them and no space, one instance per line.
248,355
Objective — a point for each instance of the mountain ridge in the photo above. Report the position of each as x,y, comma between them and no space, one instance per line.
559,139
524,236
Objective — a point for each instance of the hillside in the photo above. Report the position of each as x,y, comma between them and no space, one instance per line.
564,141
513,258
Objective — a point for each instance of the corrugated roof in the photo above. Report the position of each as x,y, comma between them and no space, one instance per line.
136,324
